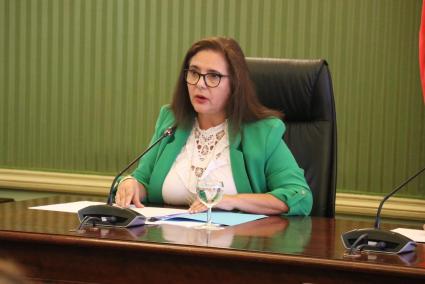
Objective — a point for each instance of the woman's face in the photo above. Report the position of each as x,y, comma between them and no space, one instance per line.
209,101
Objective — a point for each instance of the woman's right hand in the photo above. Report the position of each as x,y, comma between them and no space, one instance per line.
130,191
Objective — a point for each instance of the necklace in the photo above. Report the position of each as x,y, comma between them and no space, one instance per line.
207,145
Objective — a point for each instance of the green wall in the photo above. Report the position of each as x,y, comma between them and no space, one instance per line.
81,82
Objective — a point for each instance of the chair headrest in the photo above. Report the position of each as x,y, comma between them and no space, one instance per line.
299,88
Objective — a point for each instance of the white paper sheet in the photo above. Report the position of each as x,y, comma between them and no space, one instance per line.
415,235
187,224
73,207
158,211
163,215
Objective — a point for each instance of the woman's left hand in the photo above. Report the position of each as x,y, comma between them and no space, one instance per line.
257,203
197,207
225,204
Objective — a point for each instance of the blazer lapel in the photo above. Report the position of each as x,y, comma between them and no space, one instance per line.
165,161
238,166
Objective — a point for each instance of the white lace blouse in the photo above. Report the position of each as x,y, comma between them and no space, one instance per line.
206,153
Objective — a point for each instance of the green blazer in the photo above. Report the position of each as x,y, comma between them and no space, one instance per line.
260,161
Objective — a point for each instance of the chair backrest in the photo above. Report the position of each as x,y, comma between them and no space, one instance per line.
302,90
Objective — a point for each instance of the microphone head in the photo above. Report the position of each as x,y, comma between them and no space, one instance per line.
170,130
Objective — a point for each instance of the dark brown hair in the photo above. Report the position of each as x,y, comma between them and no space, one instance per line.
243,105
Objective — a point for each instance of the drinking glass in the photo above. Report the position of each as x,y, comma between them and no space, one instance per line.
209,192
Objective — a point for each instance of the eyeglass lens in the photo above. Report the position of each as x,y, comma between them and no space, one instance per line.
211,79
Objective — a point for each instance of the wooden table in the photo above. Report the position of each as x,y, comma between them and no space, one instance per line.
271,250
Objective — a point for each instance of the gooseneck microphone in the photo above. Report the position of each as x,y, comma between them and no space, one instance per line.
168,132
378,214
108,215
377,240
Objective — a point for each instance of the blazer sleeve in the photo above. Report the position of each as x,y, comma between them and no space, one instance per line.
285,179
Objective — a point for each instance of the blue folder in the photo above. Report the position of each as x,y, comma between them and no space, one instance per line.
221,218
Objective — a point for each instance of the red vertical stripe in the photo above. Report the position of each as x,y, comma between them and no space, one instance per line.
422,50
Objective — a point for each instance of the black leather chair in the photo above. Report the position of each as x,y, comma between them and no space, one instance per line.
302,90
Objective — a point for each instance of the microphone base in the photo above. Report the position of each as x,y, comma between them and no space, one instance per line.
111,216
376,240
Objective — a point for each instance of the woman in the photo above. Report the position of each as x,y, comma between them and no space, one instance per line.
222,132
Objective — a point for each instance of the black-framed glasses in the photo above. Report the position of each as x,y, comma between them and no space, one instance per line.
212,79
